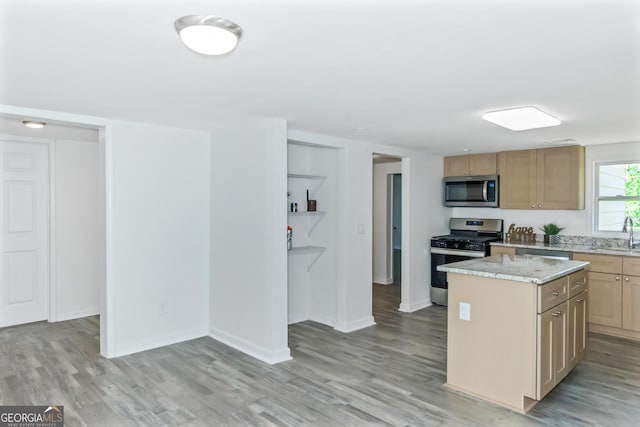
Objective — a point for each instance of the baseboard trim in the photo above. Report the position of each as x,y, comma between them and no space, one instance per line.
355,325
410,308
162,341
70,315
386,281
298,317
265,355
323,320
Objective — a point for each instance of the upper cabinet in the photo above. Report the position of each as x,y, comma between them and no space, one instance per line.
547,178
472,164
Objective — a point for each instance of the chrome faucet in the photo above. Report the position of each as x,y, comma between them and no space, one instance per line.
628,225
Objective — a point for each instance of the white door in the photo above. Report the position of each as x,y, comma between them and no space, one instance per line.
24,218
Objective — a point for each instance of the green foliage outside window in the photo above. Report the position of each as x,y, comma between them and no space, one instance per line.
633,189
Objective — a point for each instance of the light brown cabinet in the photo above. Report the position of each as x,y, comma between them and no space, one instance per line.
614,294
577,336
546,178
471,164
553,341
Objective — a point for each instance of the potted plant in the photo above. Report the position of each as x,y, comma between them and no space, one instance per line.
551,232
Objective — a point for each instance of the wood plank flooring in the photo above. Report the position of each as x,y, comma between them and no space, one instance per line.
388,374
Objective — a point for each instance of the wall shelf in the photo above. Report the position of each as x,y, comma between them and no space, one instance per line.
319,178
308,250
318,214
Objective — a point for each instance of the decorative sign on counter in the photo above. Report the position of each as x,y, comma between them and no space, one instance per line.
520,235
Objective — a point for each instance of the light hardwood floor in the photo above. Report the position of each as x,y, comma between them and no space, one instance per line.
388,374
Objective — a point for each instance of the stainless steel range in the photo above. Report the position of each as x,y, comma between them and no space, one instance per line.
469,238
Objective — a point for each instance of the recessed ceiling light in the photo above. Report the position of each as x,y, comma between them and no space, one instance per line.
466,150
522,118
33,125
208,34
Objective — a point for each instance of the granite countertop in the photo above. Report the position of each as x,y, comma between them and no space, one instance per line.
519,268
575,247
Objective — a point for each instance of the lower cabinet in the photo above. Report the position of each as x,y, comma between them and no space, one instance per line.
562,341
577,336
631,303
605,304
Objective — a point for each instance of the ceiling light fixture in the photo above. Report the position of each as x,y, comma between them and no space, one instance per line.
208,34
522,118
33,125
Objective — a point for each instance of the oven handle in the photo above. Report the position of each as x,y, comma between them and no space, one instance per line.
470,254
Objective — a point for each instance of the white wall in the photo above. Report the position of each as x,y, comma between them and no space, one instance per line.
576,222
160,235
248,289
382,269
77,235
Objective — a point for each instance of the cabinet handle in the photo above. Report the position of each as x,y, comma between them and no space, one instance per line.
533,206
555,294
556,313
626,279
466,172
579,283
540,205
617,277
580,300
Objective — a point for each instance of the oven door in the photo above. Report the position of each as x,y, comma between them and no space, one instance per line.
439,284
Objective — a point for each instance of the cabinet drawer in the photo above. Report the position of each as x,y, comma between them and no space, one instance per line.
577,282
631,266
601,263
552,294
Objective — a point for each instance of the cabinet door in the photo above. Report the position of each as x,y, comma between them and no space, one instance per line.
545,354
605,299
560,341
517,170
631,303
456,166
560,178
577,329
483,164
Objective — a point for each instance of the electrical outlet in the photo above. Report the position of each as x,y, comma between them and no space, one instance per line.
164,308
465,311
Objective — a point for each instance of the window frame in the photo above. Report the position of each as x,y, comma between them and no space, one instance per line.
597,199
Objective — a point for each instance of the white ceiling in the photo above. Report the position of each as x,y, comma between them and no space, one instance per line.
397,72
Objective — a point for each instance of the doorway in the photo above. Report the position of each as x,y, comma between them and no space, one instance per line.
387,235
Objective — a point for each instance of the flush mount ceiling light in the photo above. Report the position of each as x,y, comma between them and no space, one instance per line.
33,125
208,34
522,118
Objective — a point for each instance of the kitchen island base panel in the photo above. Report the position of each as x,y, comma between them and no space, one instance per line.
493,353
526,405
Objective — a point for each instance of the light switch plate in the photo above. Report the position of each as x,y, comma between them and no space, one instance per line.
465,311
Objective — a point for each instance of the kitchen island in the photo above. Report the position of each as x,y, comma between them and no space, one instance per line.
516,326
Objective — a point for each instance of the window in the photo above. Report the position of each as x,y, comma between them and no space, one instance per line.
617,195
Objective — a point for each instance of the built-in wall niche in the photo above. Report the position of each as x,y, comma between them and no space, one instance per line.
312,261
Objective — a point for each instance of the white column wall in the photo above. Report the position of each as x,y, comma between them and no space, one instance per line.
248,287
160,235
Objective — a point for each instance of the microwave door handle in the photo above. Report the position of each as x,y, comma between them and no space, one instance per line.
484,190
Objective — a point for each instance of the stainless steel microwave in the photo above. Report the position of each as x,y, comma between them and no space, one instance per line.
471,191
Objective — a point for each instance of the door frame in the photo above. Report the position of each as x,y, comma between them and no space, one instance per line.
51,285
106,180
